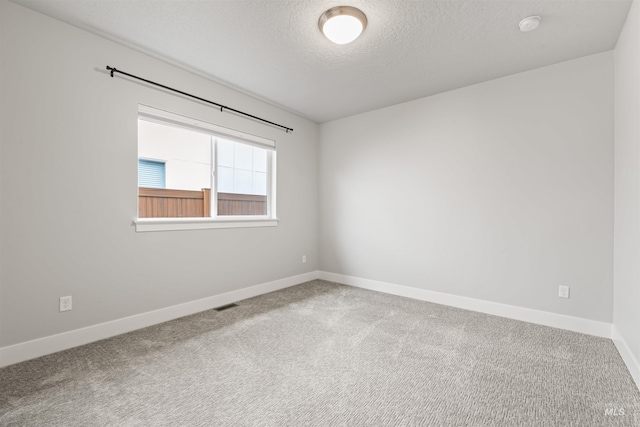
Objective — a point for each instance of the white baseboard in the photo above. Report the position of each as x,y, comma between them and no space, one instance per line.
627,355
576,324
54,343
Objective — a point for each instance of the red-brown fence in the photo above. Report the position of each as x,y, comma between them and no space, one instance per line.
165,203
241,204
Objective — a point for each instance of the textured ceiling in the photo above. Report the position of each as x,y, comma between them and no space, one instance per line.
274,50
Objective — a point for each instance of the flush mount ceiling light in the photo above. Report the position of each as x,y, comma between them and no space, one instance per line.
342,24
529,24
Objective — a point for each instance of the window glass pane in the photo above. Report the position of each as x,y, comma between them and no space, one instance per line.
243,189
242,182
243,156
185,153
225,152
259,183
259,160
186,156
225,179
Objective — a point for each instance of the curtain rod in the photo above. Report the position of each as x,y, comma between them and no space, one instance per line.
222,107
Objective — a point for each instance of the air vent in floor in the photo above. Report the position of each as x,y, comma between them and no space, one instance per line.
225,307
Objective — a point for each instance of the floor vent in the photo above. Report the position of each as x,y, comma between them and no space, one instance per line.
225,307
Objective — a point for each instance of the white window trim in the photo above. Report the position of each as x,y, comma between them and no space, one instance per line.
227,221
165,117
173,224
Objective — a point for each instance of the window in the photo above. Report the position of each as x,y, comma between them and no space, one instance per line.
193,174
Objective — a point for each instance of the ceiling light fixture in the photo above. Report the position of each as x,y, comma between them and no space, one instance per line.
529,24
342,24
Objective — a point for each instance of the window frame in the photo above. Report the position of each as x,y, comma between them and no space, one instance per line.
163,117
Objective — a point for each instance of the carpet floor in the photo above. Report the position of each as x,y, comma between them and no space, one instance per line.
324,354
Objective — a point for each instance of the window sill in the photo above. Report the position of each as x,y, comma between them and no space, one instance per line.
174,224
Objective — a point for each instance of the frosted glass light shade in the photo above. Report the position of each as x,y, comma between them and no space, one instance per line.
342,24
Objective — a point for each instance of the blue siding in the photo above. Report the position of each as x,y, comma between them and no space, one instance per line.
151,174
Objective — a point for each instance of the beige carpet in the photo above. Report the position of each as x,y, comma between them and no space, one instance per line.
322,354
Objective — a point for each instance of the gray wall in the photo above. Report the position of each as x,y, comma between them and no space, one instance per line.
627,184
69,187
499,191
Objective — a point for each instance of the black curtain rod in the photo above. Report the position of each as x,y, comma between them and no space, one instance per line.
222,107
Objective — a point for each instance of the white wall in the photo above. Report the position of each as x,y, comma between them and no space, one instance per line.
69,186
499,191
626,310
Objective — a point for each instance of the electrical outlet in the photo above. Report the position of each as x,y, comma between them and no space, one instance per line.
563,291
65,303
304,259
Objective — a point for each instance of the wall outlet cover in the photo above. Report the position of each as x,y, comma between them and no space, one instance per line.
65,303
563,291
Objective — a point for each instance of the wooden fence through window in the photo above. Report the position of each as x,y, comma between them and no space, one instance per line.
165,203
